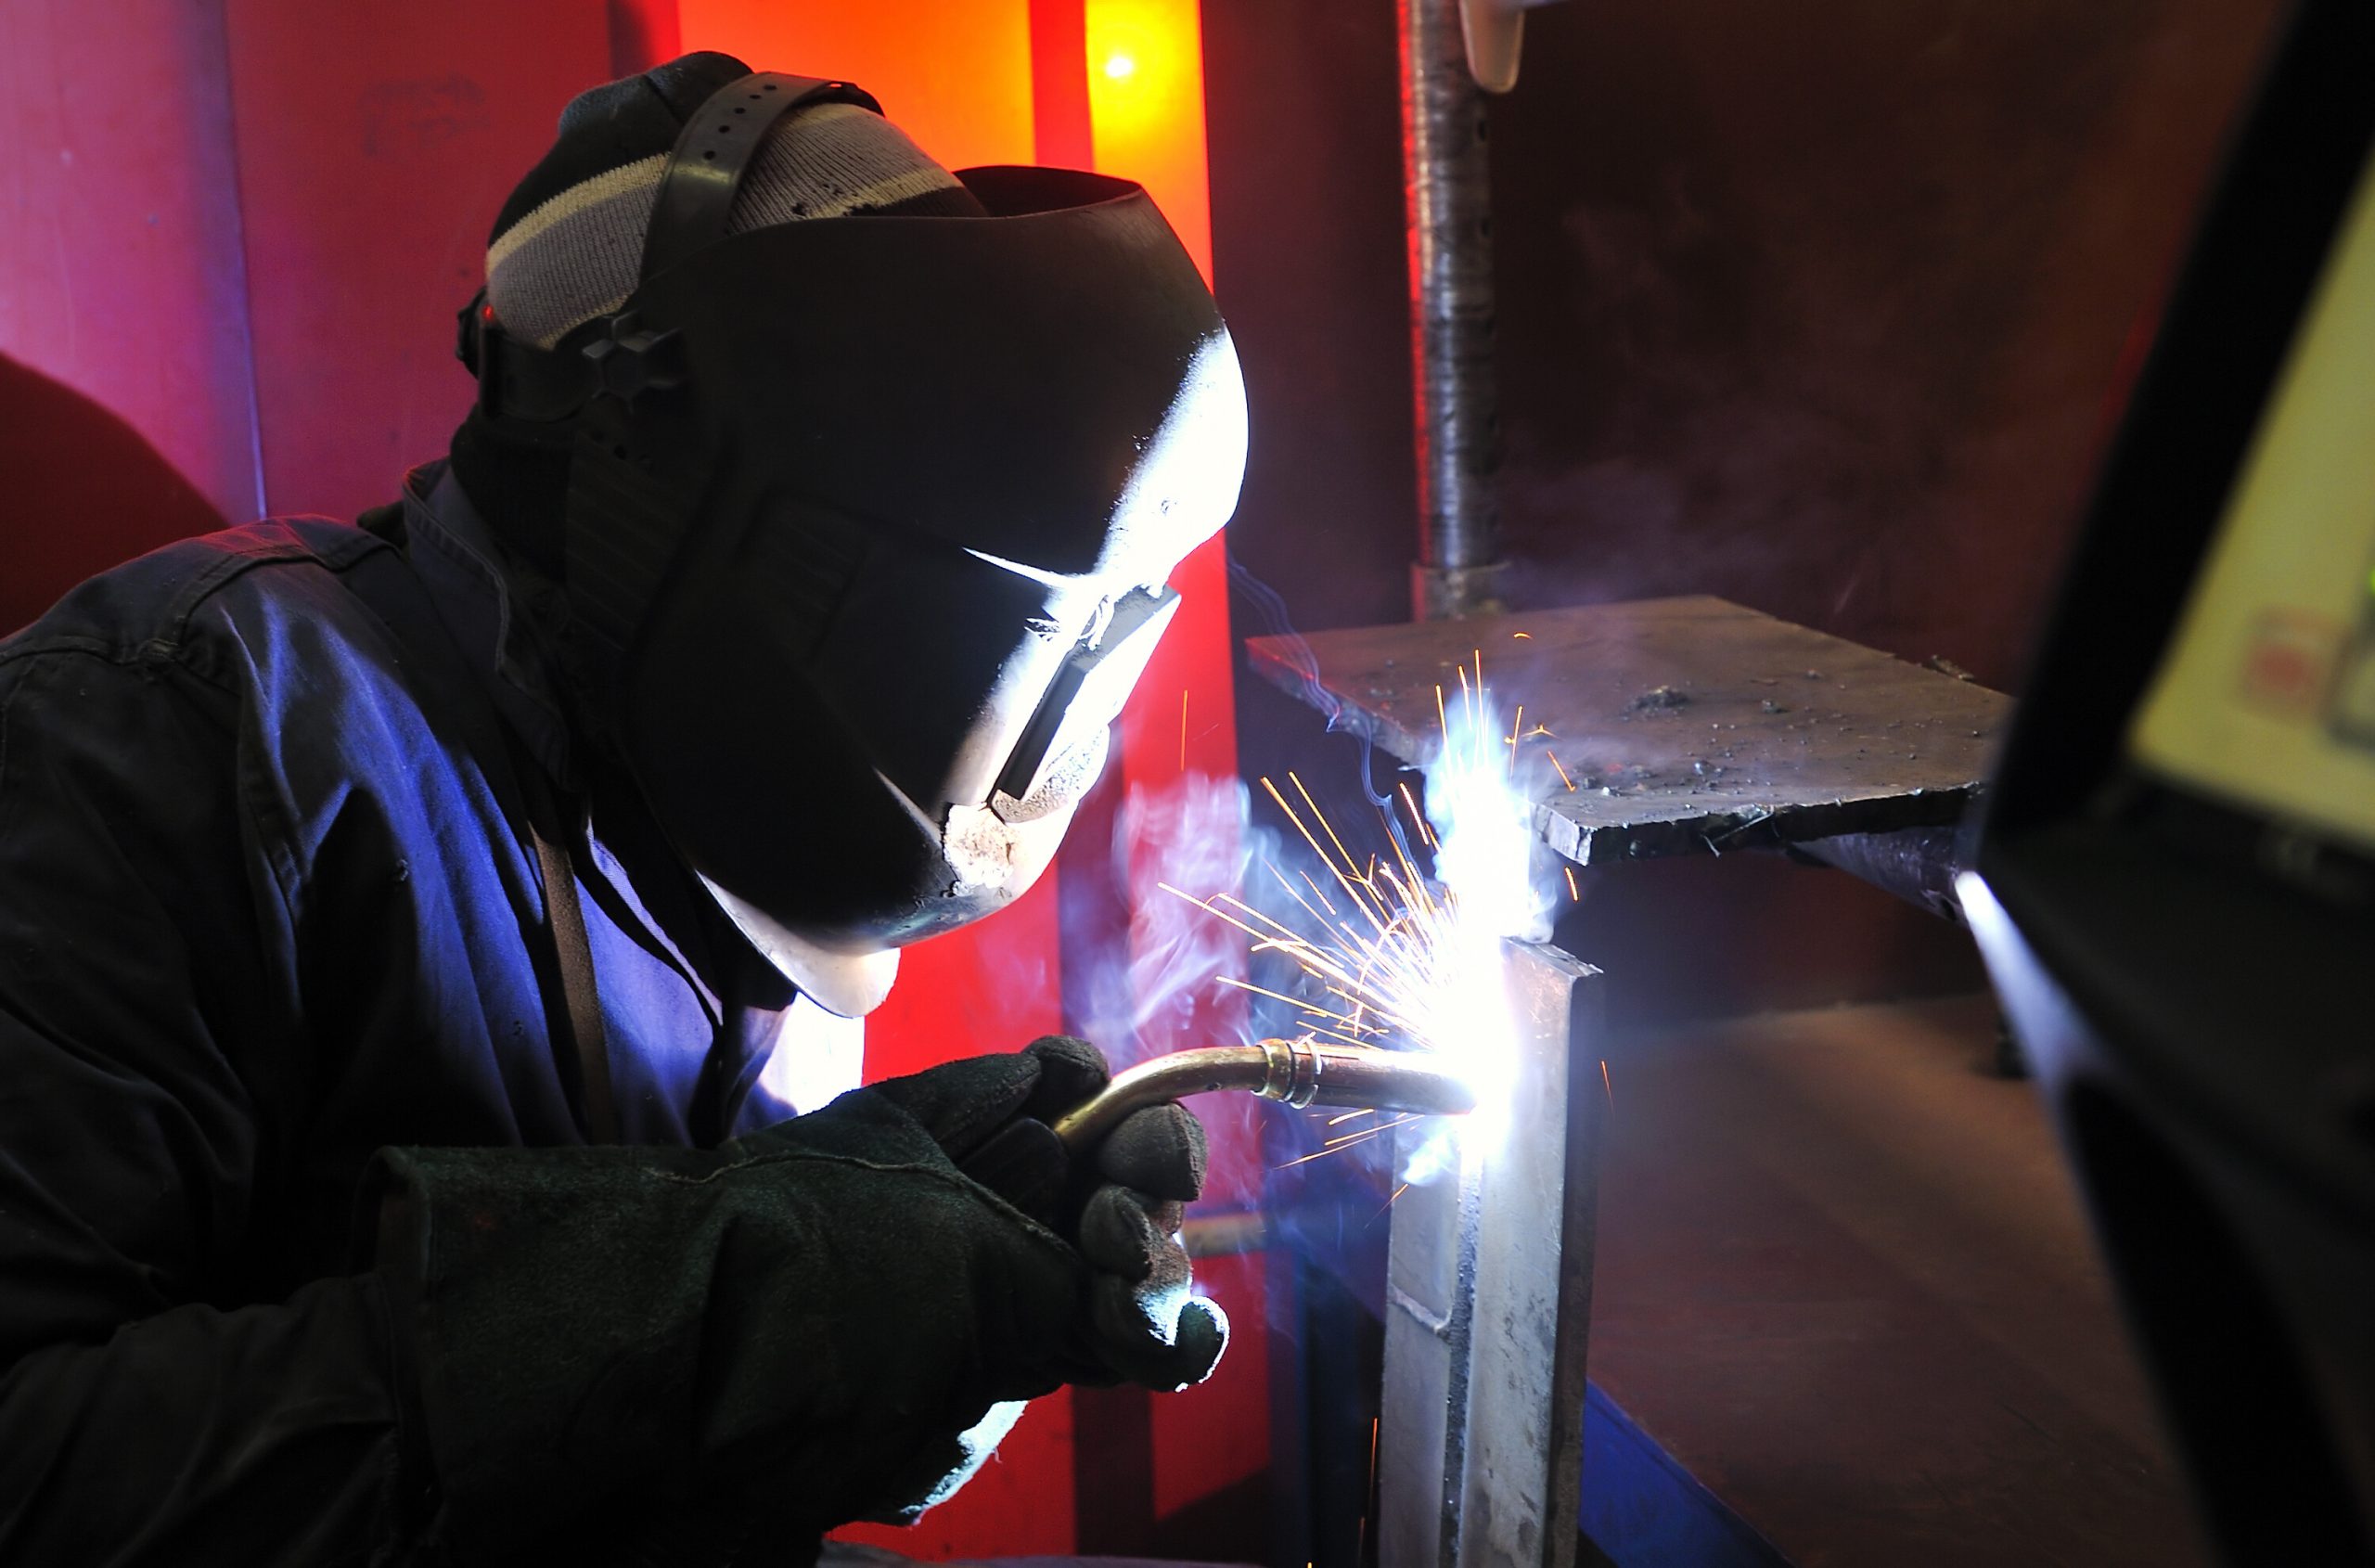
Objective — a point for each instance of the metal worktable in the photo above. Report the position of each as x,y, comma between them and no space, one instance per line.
1687,727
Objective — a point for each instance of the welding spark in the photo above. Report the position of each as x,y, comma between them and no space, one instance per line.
1373,1421
1388,951
1417,816
1333,1146
1365,1132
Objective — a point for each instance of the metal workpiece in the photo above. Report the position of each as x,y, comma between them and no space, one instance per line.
1683,725
1297,1071
1456,415
1488,1307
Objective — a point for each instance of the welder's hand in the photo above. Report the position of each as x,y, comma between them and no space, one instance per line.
784,1334
990,1114
806,1327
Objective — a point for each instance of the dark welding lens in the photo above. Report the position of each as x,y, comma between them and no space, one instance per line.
1091,687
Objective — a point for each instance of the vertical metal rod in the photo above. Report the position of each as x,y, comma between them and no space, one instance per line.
1447,206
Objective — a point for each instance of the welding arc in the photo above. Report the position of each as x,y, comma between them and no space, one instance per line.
1298,1071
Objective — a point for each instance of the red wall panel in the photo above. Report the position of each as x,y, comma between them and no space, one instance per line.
1061,136
377,140
643,34
955,74
124,395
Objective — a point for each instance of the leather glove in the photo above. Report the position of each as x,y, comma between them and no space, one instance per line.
990,1115
780,1335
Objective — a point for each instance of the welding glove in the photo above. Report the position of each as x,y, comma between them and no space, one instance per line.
775,1337
990,1115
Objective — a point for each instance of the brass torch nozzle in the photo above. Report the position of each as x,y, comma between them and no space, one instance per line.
1299,1072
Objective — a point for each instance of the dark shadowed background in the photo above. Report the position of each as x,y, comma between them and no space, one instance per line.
1823,309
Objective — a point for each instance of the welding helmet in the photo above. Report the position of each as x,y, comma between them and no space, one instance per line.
868,525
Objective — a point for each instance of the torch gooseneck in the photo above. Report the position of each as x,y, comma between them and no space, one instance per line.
1298,1071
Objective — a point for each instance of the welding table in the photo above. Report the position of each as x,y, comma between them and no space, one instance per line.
1684,726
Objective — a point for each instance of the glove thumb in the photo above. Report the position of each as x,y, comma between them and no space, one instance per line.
1165,1340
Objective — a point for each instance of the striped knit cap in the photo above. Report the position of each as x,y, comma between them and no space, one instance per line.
568,246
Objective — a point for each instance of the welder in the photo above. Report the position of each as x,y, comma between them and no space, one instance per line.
397,920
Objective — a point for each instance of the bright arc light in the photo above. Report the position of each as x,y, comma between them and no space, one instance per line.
1393,956
1484,827
1120,67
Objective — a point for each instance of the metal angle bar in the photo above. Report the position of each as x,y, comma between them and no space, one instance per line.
1489,1304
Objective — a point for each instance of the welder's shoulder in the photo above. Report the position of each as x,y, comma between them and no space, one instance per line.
227,608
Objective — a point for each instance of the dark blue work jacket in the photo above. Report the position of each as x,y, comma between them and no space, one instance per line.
268,902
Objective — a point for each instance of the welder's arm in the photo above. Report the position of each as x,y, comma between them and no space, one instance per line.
137,1422
789,1333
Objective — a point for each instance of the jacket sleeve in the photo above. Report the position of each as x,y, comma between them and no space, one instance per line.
149,1412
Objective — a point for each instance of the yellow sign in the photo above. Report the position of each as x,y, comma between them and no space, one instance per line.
2267,697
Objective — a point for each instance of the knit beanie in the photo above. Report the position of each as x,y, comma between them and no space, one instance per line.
568,246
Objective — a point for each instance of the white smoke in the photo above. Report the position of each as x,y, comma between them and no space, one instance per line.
1193,832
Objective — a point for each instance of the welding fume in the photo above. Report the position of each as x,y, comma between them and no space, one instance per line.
400,919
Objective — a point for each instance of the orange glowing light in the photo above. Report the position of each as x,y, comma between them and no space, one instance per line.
1146,107
954,74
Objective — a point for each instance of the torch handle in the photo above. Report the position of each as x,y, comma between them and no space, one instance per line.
1298,1071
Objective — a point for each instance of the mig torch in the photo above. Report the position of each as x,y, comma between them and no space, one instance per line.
1300,1073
